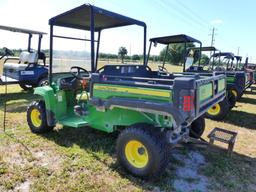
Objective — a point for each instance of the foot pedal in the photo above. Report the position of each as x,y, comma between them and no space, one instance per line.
80,111
225,136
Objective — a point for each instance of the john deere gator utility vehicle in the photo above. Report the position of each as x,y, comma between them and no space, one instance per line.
239,66
29,70
208,67
150,110
237,80
251,67
192,63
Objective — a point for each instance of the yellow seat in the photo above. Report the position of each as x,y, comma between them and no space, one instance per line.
82,96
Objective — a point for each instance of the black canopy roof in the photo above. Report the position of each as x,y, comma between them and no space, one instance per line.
239,58
174,39
225,54
20,30
205,48
79,18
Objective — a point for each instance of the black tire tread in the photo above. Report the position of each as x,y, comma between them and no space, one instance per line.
154,136
40,105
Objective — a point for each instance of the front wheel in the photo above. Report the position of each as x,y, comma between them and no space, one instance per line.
141,151
36,117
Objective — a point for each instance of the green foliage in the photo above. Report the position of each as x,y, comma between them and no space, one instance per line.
175,53
135,57
122,52
204,59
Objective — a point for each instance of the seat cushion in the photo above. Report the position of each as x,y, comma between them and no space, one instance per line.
82,96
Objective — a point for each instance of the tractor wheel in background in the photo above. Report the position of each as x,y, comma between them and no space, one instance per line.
36,117
26,87
142,151
44,81
219,111
197,128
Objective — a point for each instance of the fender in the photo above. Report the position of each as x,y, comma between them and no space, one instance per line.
47,93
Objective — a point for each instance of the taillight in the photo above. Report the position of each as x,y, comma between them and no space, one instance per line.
187,103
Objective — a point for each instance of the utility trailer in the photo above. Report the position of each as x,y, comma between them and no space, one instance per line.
24,70
151,111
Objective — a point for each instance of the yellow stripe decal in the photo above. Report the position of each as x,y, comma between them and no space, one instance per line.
132,90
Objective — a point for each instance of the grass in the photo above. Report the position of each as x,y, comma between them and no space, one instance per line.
84,159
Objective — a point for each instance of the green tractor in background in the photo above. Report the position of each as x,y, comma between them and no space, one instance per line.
151,110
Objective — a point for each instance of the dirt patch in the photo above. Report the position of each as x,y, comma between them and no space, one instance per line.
23,187
188,175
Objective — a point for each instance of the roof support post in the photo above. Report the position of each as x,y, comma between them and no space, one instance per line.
144,45
92,38
185,52
167,48
51,54
149,52
200,54
98,47
29,41
39,43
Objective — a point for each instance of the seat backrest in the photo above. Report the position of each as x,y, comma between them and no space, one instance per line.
125,70
27,57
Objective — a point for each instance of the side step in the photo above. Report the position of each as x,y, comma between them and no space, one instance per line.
73,121
225,136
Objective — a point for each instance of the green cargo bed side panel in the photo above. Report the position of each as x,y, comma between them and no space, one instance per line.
221,85
106,91
205,92
230,79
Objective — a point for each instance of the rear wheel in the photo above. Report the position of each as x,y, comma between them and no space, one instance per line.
141,151
36,117
26,87
197,128
219,111
44,81
231,96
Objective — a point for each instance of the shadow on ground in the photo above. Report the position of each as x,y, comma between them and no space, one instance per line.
250,93
218,168
17,102
241,119
248,100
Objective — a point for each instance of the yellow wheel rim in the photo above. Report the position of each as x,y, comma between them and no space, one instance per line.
36,117
234,92
136,154
214,110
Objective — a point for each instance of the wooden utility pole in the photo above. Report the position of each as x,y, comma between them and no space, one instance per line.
213,36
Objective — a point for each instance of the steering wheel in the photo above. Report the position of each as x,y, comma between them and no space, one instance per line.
8,52
80,73
148,68
162,68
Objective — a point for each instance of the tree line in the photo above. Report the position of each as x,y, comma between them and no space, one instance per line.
174,55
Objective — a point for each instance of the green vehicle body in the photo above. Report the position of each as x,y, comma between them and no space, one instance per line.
59,105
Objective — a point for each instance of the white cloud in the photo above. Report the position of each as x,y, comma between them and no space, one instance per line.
216,21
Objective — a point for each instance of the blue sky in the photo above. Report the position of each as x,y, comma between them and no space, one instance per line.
234,20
